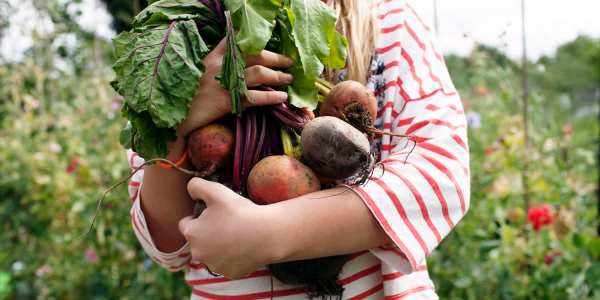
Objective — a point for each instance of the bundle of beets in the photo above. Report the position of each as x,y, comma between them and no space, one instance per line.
268,154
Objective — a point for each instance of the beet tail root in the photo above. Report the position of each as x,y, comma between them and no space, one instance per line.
320,275
124,180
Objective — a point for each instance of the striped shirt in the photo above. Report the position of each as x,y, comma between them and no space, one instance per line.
421,194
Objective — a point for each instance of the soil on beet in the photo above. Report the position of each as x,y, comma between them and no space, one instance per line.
356,115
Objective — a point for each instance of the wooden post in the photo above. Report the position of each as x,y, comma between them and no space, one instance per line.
136,7
525,112
435,17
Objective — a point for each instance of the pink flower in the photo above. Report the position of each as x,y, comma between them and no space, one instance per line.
540,215
43,270
91,256
116,103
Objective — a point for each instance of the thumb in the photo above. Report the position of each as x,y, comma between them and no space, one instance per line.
185,225
219,50
208,191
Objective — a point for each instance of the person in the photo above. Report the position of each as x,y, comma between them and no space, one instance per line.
388,226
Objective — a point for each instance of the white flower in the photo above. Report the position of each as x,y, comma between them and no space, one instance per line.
473,119
550,145
55,147
18,266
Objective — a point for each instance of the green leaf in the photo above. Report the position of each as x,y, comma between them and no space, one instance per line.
254,20
302,92
163,11
145,138
5,284
314,30
126,136
593,246
338,47
463,282
122,44
159,69
232,76
592,276
309,60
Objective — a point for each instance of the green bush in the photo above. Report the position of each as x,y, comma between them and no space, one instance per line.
494,253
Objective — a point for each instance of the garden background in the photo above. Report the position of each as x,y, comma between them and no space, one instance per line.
59,126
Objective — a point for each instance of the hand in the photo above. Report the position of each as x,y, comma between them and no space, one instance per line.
232,236
212,101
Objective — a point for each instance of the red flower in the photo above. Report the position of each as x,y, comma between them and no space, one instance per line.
540,215
568,130
72,166
549,258
482,91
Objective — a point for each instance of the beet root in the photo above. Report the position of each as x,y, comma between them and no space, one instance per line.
334,149
320,275
210,147
280,177
353,102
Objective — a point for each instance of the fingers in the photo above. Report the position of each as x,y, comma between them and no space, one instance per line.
259,98
260,75
270,60
207,191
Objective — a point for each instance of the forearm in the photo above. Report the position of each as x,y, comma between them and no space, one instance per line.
325,223
165,201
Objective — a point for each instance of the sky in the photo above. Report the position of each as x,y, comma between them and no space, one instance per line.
549,23
461,24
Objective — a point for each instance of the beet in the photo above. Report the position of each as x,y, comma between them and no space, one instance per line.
278,178
210,147
353,102
334,149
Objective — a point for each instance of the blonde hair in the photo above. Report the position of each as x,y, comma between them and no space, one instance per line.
356,21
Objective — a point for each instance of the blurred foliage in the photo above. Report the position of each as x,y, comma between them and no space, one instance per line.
574,70
494,253
123,12
4,15
59,125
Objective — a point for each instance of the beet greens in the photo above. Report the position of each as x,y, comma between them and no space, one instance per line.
158,63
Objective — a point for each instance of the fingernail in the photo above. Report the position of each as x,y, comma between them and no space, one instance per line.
289,61
288,78
282,95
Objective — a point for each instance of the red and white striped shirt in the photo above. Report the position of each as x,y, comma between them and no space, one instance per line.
418,198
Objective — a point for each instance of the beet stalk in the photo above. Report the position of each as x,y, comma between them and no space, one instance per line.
237,159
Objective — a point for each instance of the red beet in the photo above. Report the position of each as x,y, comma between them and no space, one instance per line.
334,149
352,102
210,147
278,178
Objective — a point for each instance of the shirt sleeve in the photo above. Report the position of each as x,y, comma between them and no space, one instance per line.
421,190
174,261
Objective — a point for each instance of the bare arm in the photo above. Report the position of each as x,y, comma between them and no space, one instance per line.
165,201
234,236
325,223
